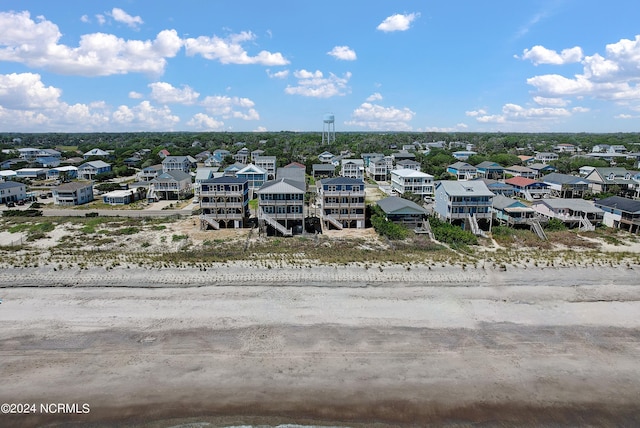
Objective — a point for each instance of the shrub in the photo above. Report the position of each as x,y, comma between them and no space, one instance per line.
555,225
450,234
22,213
386,228
130,230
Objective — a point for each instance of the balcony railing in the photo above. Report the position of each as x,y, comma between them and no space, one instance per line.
237,205
471,203
222,193
466,215
354,194
272,202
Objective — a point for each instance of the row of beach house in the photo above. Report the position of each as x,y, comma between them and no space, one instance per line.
287,201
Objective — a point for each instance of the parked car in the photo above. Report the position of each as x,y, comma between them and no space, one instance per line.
20,202
10,204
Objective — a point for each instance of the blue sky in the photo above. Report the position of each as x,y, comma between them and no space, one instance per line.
468,66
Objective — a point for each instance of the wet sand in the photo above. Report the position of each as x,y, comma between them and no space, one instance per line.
510,349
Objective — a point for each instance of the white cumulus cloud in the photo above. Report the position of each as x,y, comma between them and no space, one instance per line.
36,44
145,116
541,55
344,53
204,122
516,114
165,93
120,15
397,22
230,50
315,84
614,76
26,91
283,74
28,105
230,107
380,118
550,102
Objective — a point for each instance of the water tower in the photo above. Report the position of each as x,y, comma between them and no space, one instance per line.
328,128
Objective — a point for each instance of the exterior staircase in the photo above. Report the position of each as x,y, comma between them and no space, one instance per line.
333,221
151,194
586,225
425,227
208,220
273,223
475,227
538,230
527,195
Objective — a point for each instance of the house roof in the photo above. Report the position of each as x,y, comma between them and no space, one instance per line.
341,180
295,165
96,152
51,152
519,168
266,158
541,166
283,185
461,165
557,178
205,173
235,167
489,165
157,167
520,181
176,175
494,184
620,203
407,173
10,185
407,162
251,168
172,159
296,174
354,161
572,204
323,167
618,174
397,205
501,202
65,168
225,179
73,185
464,188
403,155
33,169
118,193
73,160
95,164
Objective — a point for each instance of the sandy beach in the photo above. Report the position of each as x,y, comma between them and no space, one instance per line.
325,345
